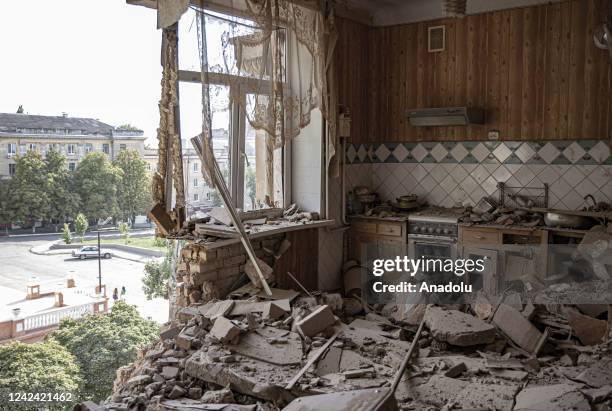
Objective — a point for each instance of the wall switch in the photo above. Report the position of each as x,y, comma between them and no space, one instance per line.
493,135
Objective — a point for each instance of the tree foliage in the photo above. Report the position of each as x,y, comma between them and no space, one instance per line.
157,275
95,181
63,201
41,367
103,343
133,191
124,229
6,209
29,194
81,225
66,235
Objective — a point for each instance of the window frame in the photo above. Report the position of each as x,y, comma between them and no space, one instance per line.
69,151
12,152
238,118
12,169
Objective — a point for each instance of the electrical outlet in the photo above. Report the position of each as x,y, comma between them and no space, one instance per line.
493,135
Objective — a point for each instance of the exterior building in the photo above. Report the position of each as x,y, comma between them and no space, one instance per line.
72,136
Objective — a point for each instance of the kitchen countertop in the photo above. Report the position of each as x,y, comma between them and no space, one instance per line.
522,227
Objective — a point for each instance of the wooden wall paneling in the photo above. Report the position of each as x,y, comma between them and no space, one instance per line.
529,63
540,73
301,260
552,78
504,72
494,41
421,80
515,73
411,77
564,69
577,58
604,66
591,85
459,70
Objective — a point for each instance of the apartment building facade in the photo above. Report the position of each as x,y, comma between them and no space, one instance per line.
74,137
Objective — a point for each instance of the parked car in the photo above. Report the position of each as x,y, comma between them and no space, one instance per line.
91,251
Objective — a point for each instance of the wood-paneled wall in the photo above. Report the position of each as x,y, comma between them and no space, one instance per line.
535,70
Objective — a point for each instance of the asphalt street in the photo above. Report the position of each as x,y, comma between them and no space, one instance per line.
18,265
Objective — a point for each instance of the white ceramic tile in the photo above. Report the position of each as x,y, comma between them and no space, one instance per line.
489,185
501,173
419,172
480,152
502,152
382,152
549,152
400,171
524,175
408,184
586,168
459,173
469,167
512,182
436,195
419,152
548,175
469,184
400,152
536,182
574,152
420,191
351,153
480,174
491,167
586,187
459,152
513,168
600,151
429,166
449,167
476,195
560,188
573,200
428,182
438,173
448,202
524,152
458,195
601,175
439,152
448,184
362,153
573,176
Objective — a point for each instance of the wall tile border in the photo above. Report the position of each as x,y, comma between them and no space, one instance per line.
560,152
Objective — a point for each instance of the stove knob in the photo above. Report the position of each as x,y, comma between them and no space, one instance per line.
438,230
447,231
430,230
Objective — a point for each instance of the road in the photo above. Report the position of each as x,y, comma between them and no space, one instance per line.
18,265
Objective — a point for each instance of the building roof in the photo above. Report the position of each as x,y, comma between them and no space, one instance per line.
12,122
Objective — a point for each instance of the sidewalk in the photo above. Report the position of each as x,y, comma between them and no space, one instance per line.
45,249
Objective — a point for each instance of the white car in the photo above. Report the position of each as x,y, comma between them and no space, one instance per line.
91,251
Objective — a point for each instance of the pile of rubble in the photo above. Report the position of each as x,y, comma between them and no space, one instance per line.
256,352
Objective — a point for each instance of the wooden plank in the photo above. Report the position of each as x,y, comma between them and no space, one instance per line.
494,25
460,71
576,63
530,32
515,75
591,75
552,76
504,73
564,70
300,259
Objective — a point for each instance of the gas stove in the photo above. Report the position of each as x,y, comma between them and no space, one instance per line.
434,222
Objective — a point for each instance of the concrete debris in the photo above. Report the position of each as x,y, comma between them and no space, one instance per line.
225,331
552,398
458,328
258,352
517,328
589,330
317,321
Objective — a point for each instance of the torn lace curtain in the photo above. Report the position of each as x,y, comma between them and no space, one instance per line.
274,56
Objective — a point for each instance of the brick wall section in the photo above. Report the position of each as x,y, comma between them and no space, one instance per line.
202,273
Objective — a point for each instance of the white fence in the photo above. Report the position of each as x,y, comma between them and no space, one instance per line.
54,317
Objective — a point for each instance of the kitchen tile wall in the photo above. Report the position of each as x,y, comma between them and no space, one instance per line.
448,173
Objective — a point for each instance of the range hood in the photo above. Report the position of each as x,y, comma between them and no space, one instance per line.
446,116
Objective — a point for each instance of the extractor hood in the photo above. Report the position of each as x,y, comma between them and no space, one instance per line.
446,116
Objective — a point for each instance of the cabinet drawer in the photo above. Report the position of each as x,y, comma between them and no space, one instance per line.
390,229
479,237
365,227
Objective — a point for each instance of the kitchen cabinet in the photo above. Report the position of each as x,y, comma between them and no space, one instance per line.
373,238
512,253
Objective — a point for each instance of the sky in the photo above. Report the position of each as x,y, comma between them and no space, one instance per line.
88,58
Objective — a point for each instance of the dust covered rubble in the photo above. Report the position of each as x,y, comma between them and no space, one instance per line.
243,353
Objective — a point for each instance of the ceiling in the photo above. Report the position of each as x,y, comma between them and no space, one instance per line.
390,12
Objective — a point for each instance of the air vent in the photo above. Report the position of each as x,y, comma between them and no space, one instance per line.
435,39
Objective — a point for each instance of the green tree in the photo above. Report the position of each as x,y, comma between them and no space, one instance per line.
66,234
134,188
29,197
128,127
6,211
41,367
63,201
81,225
124,229
103,343
157,275
251,185
95,181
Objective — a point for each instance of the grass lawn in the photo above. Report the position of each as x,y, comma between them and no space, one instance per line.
144,242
